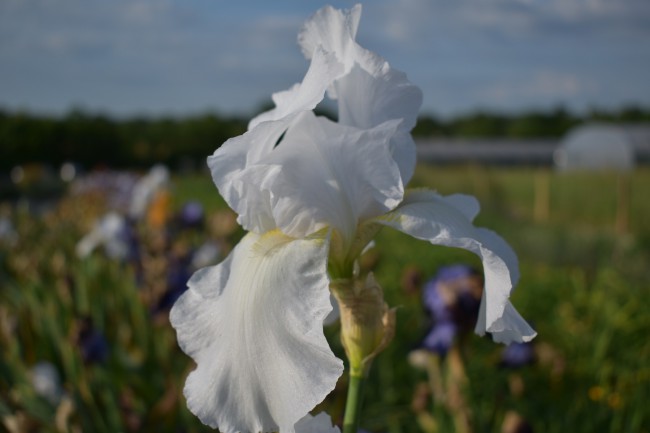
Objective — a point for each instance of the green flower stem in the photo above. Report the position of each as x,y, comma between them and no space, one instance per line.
353,404
367,326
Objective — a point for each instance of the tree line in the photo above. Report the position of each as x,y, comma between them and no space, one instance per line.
526,125
92,140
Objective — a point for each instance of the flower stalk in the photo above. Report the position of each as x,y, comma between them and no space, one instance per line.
367,327
353,404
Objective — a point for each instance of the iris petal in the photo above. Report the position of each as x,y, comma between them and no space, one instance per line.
254,326
428,216
366,100
324,68
321,423
370,91
230,167
332,175
333,29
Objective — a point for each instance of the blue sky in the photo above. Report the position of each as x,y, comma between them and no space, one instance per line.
129,57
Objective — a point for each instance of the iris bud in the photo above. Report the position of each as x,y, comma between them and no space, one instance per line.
367,324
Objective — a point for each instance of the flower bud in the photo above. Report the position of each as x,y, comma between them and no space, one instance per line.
367,324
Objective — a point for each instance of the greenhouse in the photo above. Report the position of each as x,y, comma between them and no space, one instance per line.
594,147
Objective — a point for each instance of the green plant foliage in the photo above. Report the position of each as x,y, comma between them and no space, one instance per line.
584,287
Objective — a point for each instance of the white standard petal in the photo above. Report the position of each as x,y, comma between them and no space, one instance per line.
323,70
332,175
366,100
231,166
332,29
369,92
254,326
447,221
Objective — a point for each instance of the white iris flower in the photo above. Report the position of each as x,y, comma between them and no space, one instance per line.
312,192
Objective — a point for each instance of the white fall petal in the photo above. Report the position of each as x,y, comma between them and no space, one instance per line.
254,326
321,423
447,221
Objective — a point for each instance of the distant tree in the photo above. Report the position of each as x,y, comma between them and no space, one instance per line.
429,126
479,124
537,124
88,140
634,114
627,114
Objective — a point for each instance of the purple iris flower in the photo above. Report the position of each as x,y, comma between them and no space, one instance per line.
517,355
453,298
92,343
441,337
191,215
116,187
130,236
177,276
434,301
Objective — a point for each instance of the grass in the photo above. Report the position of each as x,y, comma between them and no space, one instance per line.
583,244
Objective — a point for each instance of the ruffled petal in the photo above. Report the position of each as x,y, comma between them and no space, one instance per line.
324,69
509,328
444,221
372,95
254,326
321,423
332,175
366,100
369,92
238,166
320,173
231,166
332,29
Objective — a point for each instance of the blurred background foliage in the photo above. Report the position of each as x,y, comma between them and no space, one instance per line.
97,140
99,326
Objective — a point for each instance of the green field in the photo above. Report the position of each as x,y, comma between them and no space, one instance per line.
583,241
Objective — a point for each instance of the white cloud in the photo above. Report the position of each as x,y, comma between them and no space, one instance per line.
164,54
145,12
409,20
542,86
